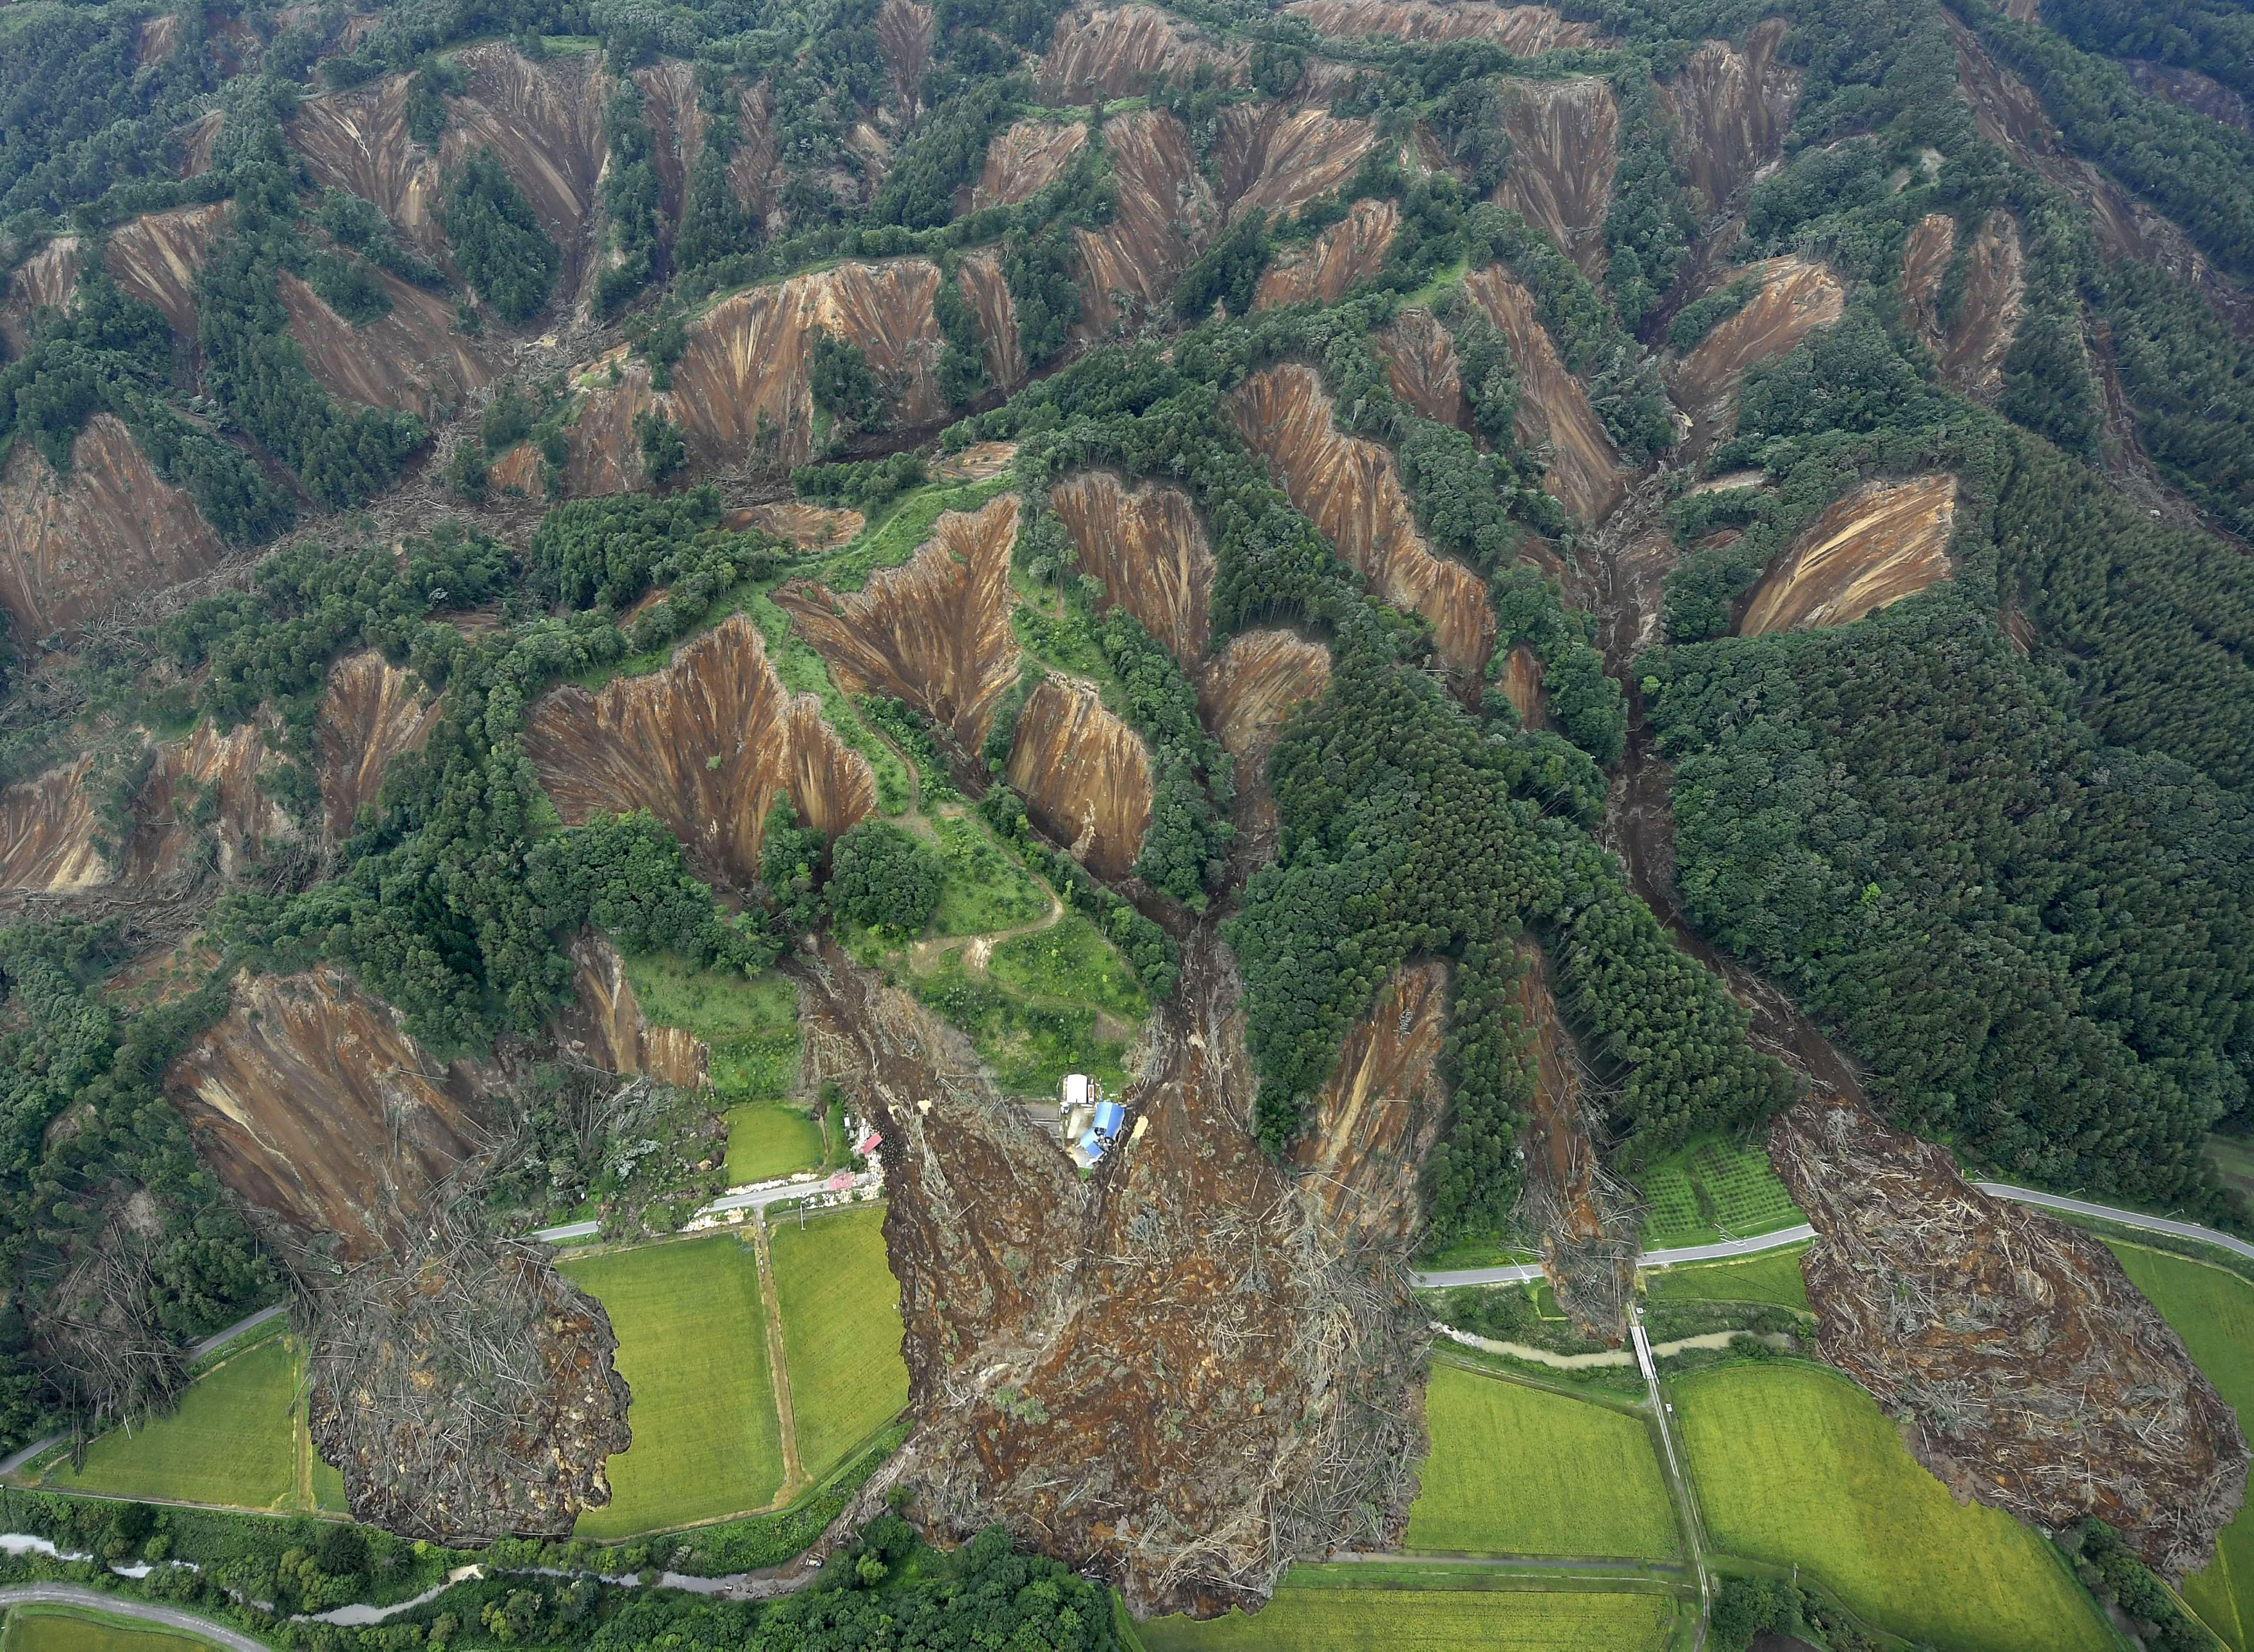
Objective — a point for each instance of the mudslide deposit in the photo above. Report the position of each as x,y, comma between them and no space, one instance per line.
1553,411
2023,1367
934,631
1272,158
1521,30
1121,51
1421,366
1025,160
1732,108
412,357
1972,345
1350,251
1084,775
373,712
1177,1375
604,1027
206,767
652,742
1165,203
1795,297
1564,145
1349,489
1375,1120
1871,546
72,546
47,831
1146,546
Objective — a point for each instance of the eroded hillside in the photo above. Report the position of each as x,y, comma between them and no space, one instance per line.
373,712
1164,202
1372,1125
1584,472
604,1027
1024,160
1795,297
1272,158
1421,366
1871,546
412,357
1084,774
1102,52
48,833
1732,108
1565,143
1145,547
1347,253
1970,345
1521,30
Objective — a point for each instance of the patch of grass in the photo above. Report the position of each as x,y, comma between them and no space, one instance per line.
1796,1466
1301,1619
2213,1311
48,1629
986,887
803,671
1480,1252
1514,1470
894,536
1029,1047
693,1348
2233,1159
1070,960
234,1441
1713,1189
766,1140
750,1023
1774,1276
841,1331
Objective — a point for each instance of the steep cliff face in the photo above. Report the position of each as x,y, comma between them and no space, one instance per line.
48,276
986,289
743,378
1796,298
1523,686
71,546
374,710
1731,108
1349,489
677,130
1373,1123
1145,545
1025,160
934,632
1553,411
47,830
1873,546
649,742
1251,686
1521,31
309,1102
357,140
1084,775
411,358
545,122
155,258
904,37
1348,252
1273,159
1972,345
1165,203
604,1025
1564,145
205,768
1421,366
1120,51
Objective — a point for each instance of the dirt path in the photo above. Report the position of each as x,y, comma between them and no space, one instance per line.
794,1471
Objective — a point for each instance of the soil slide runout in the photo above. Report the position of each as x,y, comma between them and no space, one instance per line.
1873,546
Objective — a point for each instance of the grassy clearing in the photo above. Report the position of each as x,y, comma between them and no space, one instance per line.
767,1140
693,1348
1301,1619
894,536
841,1331
1070,960
1774,1276
751,1024
1516,1471
1796,1466
1713,1189
2233,1159
986,888
47,1629
1029,1047
234,1441
2213,1311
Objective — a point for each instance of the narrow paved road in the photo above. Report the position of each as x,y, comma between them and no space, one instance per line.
2124,1218
70,1594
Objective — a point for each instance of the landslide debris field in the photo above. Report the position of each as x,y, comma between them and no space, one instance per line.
1459,610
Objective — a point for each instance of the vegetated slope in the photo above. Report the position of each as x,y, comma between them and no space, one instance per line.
1145,547
1164,203
111,531
1371,1126
1564,142
1345,255
1972,345
2027,1371
373,712
1084,774
1104,52
1349,488
1521,30
706,744
1873,545
1732,110
1024,160
1794,299
934,631
1584,474
604,1027
1177,1372
412,357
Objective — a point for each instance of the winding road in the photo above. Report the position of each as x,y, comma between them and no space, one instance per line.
71,1594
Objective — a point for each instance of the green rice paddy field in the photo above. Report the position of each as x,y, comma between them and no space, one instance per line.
841,1331
43,1628
1302,1618
1517,1470
1796,1466
767,1139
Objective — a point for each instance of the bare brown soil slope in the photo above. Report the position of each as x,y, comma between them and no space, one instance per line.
1873,546
197,141
1175,1375
755,166
1564,145
1521,30
71,546
412,358
2024,1368
1553,411
309,1102
1970,348
934,632
545,122
649,742
1385,1089
47,830
676,131
744,371
904,36
1349,489
206,766
1796,298
1732,108
1273,159
48,276
1025,160
155,259
1252,685
373,712
1084,775
1348,252
1120,51
1523,686
357,140
808,527
1421,366
1165,203
2189,90
604,1025
1146,546
986,289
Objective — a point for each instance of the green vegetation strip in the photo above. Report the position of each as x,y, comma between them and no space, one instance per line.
841,1331
1796,1466
692,1345
1354,1620
749,1024
50,1628
1714,1189
766,1139
1773,1275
